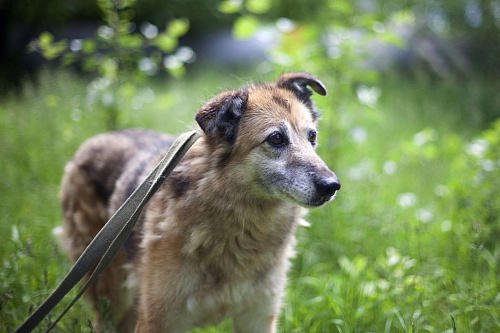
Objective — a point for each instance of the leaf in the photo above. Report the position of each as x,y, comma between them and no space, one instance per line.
490,259
312,282
178,27
229,7
348,266
165,42
258,6
177,72
68,59
88,46
393,39
89,64
109,67
341,6
404,17
127,90
244,27
133,41
45,39
104,5
53,50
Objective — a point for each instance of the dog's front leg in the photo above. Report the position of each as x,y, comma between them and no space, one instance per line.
254,322
159,316
260,313
151,316
162,305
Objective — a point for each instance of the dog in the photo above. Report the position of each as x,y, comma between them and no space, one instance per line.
214,242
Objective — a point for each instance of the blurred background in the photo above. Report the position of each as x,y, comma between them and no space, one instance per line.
410,126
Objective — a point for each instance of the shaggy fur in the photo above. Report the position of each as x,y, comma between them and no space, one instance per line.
215,240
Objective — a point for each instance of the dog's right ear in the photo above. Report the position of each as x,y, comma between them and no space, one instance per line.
220,116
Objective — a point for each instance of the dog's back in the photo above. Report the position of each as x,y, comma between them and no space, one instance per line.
104,171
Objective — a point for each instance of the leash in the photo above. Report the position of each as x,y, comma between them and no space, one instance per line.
110,239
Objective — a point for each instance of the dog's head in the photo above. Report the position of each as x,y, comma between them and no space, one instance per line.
267,134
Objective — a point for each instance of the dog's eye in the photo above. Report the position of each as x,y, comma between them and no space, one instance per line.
312,137
276,139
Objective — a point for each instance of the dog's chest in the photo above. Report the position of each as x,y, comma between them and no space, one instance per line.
214,305
233,298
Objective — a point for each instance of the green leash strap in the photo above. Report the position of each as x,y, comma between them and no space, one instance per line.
110,239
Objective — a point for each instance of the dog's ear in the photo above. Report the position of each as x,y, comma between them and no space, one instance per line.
220,115
298,82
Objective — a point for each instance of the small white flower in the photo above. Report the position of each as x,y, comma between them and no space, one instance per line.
406,200
358,134
390,250
149,30
424,215
334,52
185,54
285,25
428,134
368,96
419,139
488,165
105,32
393,259
15,234
147,66
75,45
99,84
390,167
171,62
477,148
441,190
409,263
446,226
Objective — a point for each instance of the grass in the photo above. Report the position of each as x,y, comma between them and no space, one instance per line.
395,252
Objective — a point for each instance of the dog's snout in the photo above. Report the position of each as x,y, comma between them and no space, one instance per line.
327,186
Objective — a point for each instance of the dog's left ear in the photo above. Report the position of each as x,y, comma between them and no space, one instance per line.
220,116
297,82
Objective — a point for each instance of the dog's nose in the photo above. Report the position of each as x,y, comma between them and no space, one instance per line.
328,186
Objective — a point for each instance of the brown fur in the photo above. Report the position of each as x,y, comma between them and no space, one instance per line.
215,240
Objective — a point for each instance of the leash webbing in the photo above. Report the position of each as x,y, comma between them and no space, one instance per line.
110,239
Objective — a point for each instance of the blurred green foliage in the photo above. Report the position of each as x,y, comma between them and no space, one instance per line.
412,237
477,193
322,39
119,56
473,24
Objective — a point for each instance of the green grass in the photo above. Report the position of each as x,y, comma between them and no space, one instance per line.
408,243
